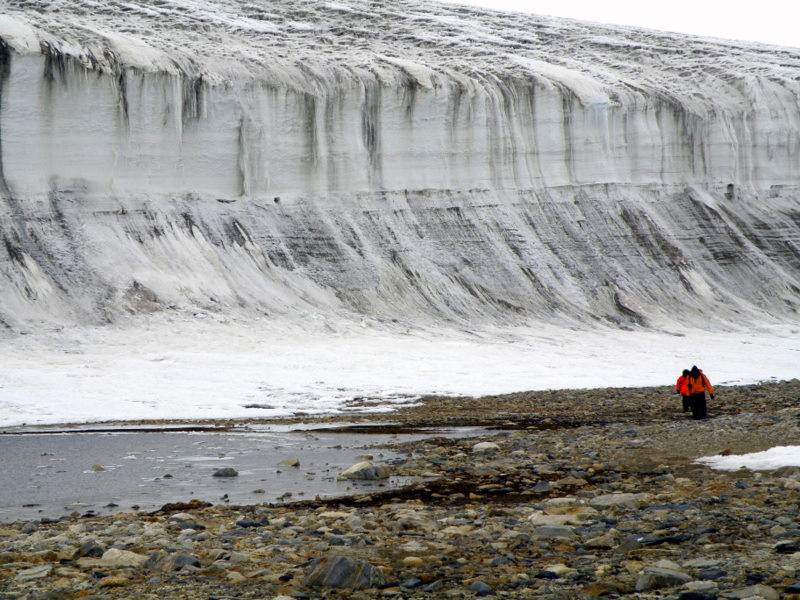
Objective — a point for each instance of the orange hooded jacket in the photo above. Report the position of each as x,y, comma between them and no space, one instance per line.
682,385
699,384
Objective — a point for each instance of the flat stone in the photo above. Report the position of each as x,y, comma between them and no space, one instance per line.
606,541
343,572
555,531
113,557
711,573
702,563
113,581
485,448
655,578
542,519
334,514
560,501
753,591
33,573
561,570
702,587
625,500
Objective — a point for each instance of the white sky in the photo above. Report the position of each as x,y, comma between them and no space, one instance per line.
768,21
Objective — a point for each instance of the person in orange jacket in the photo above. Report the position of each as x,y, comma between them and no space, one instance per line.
681,387
698,384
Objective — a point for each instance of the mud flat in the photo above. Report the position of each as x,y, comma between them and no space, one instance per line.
580,494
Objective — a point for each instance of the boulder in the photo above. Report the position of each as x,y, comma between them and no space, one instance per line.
485,448
343,572
367,471
226,472
113,557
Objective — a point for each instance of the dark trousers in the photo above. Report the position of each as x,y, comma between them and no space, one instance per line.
697,402
686,404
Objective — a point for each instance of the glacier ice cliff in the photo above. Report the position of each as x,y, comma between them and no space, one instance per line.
400,161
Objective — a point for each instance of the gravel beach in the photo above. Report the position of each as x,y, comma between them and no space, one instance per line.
577,494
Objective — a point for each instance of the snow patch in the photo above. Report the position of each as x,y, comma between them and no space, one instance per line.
19,34
774,458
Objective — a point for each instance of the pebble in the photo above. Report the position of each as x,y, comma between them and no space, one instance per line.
226,472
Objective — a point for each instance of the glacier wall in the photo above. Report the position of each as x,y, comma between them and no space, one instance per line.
415,164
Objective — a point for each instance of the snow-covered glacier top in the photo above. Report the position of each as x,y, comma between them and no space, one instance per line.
295,43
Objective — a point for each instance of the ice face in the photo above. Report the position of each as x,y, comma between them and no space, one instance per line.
417,162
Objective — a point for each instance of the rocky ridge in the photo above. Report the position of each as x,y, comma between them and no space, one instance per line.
554,506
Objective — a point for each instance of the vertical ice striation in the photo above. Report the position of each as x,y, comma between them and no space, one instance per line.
407,161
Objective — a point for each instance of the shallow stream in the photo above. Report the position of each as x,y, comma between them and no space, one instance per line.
49,475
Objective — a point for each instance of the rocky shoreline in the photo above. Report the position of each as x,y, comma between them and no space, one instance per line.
579,494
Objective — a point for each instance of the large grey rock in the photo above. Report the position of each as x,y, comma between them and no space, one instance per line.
343,572
114,557
366,470
485,448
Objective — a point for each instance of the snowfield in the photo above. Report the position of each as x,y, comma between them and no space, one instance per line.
171,368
